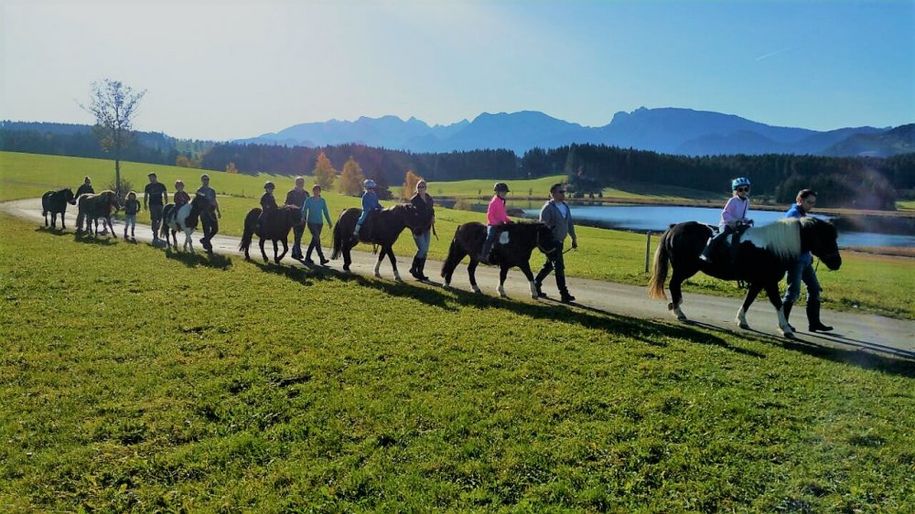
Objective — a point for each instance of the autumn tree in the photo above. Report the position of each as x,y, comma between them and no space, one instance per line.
324,172
230,168
410,180
351,178
114,107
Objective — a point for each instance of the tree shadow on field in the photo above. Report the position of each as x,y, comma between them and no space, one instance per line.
192,260
52,231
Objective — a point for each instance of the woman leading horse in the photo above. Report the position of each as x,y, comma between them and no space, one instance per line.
761,258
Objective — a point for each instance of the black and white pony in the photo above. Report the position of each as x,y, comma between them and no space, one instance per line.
184,219
55,202
761,259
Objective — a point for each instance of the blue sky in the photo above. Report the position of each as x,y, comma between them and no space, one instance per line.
226,69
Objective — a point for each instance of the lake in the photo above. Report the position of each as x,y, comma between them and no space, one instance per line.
656,218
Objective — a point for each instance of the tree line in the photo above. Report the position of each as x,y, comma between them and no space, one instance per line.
861,182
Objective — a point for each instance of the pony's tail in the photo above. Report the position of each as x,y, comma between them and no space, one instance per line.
454,256
659,270
250,225
338,240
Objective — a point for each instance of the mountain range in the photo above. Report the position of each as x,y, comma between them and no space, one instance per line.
667,130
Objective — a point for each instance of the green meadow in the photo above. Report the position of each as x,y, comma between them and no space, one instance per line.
137,380
866,283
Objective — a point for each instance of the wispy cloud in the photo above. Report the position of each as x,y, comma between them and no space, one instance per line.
771,54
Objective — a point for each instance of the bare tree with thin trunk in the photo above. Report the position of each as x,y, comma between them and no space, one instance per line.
114,106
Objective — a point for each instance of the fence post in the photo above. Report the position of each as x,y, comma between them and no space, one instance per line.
647,250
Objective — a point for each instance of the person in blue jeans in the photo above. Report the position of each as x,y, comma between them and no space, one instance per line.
369,204
802,269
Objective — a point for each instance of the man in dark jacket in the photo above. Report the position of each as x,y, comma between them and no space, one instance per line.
557,215
297,196
85,187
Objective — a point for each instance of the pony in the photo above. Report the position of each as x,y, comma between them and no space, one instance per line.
762,257
93,206
184,219
275,226
55,202
381,228
522,239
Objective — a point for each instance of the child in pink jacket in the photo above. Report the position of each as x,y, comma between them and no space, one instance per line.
495,216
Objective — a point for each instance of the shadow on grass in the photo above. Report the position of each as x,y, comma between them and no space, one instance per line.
192,260
52,231
95,240
647,331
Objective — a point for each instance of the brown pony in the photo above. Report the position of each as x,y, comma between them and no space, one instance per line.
275,226
381,228
93,206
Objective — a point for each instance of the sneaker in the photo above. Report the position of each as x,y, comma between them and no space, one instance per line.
324,261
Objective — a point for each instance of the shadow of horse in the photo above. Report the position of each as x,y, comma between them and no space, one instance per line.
86,238
52,231
192,260
649,332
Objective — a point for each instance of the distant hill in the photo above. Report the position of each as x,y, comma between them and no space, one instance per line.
667,130
880,144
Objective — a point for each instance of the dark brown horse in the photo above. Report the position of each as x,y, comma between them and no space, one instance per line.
94,206
762,257
522,239
381,228
55,202
275,226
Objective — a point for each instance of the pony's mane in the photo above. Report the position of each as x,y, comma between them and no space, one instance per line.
782,237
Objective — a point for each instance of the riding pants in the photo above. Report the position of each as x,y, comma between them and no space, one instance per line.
315,244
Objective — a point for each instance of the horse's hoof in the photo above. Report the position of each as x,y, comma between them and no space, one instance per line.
377,275
788,334
682,317
446,285
477,290
745,326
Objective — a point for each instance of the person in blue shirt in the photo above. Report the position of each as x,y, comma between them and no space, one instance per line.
369,204
802,269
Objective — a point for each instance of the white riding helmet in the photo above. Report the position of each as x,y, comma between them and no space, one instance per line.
368,184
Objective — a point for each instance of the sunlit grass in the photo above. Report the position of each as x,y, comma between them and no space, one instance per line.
866,283
136,380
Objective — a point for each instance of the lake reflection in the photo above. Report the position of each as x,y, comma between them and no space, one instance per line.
657,218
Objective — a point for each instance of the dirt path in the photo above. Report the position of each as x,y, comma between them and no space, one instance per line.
878,334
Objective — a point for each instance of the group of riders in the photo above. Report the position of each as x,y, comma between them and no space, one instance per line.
555,214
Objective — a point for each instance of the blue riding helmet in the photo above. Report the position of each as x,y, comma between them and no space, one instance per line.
368,184
738,182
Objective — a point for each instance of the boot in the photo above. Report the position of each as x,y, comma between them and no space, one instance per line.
356,231
484,254
538,287
786,308
813,317
413,269
420,264
565,297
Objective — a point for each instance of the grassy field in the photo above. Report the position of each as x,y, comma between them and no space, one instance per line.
906,205
135,380
866,283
